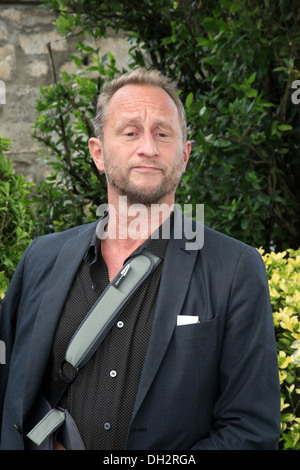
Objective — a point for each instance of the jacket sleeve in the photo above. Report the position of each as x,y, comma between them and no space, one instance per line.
246,414
8,322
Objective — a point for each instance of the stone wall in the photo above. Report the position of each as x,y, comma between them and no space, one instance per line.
25,30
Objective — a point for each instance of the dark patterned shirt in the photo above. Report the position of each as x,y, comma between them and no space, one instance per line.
102,397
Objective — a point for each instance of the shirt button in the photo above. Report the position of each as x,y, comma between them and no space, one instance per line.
106,426
113,373
120,324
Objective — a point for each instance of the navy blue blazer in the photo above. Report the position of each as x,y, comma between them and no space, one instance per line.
207,385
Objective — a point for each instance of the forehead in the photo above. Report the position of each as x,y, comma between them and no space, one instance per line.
140,100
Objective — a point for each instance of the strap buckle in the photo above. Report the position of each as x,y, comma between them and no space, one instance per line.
68,372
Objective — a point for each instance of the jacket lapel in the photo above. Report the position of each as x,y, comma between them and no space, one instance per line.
177,271
60,281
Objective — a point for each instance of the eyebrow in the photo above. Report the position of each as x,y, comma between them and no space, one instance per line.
136,121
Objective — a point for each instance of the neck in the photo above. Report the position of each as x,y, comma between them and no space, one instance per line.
130,225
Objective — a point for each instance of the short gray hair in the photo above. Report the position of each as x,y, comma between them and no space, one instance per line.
139,76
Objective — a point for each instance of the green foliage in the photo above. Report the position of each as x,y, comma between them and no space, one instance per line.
246,156
234,63
70,195
283,270
16,217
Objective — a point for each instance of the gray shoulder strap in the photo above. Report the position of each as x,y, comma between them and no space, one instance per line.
103,314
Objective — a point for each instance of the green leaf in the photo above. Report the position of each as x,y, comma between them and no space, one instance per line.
251,93
189,99
285,127
245,222
251,78
263,198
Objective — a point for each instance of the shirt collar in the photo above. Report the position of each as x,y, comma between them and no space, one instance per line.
156,243
92,252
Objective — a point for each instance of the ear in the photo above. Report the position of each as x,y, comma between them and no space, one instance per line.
95,147
186,153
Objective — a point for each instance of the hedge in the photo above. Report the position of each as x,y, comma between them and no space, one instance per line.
16,216
284,280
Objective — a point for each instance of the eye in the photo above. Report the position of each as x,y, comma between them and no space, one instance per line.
130,131
163,135
162,132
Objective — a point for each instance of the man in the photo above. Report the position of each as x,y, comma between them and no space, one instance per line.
190,363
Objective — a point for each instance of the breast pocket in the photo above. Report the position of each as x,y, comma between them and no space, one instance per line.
192,357
206,330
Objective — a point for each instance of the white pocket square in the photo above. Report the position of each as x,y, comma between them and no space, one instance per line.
187,319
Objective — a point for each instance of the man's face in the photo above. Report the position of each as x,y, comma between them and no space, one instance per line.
142,152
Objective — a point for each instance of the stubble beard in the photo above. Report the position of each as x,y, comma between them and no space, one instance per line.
119,179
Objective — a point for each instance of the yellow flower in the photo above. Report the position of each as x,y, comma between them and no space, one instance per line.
283,360
295,262
282,376
274,293
296,354
275,278
283,405
278,256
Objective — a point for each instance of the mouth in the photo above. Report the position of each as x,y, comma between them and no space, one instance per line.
147,169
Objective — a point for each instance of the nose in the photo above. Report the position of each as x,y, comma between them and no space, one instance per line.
147,145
